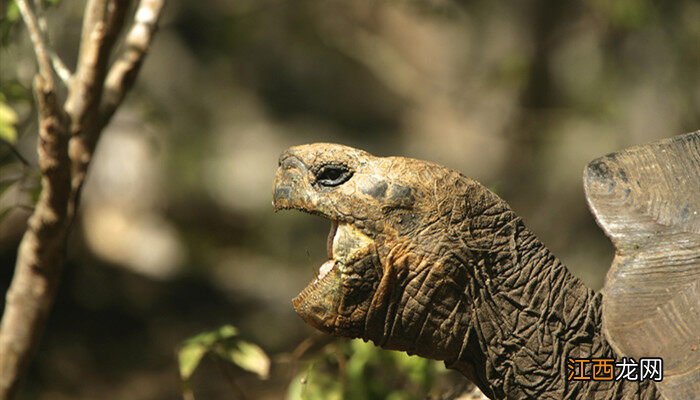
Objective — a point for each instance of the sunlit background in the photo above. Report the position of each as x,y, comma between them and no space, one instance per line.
177,234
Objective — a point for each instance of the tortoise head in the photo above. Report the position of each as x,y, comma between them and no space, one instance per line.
388,216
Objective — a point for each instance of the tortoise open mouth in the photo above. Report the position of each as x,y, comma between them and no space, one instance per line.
318,303
343,242
323,278
328,265
350,251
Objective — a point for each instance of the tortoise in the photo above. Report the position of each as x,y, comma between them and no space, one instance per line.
425,260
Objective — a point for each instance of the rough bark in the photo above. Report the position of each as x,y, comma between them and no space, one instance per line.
67,137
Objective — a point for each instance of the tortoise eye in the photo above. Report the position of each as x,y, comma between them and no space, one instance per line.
333,175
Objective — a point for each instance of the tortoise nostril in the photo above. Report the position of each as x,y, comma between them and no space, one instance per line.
288,161
282,192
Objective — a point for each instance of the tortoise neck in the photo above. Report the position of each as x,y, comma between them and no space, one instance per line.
501,309
528,314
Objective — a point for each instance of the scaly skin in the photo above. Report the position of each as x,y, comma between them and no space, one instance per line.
430,262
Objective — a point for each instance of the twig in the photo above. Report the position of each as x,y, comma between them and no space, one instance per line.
39,6
16,152
42,55
61,70
123,73
102,23
59,66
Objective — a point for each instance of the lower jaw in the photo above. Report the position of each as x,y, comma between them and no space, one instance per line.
317,283
309,293
318,303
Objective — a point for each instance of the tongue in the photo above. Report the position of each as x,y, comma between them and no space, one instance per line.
329,240
325,269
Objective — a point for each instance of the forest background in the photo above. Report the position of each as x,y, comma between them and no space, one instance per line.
176,233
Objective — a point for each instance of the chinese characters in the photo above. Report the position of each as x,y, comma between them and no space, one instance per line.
606,369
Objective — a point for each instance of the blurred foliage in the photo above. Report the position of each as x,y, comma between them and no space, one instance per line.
341,369
224,344
19,181
8,119
356,370
11,91
9,17
627,14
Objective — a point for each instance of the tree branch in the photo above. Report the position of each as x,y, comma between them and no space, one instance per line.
67,138
101,26
59,66
40,255
123,73
42,54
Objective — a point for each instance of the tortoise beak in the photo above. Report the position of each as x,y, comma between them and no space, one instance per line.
291,180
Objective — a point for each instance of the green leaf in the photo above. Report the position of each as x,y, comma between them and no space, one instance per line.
8,20
189,357
224,343
359,370
8,119
247,356
227,331
11,12
13,91
51,3
193,349
209,338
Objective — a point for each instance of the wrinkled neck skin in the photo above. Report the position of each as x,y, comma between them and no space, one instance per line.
498,307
